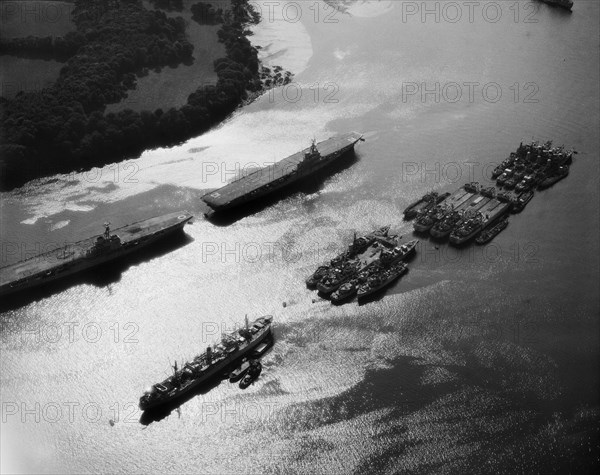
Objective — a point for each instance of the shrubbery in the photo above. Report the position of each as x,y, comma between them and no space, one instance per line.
64,127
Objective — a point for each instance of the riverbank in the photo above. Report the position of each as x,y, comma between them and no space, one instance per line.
65,127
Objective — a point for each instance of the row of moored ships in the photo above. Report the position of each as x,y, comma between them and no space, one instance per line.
114,244
371,263
471,210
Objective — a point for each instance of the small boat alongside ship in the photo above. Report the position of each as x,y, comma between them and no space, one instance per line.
207,365
522,201
251,375
239,372
490,233
425,203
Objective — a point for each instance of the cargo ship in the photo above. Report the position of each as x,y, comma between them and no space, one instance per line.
478,219
443,228
425,203
453,218
213,361
281,174
70,259
460,198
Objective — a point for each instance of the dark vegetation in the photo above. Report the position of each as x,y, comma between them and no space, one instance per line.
169,5
64,127
49,47
206,14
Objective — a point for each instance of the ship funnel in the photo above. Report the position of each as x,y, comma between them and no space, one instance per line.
246,321
208,354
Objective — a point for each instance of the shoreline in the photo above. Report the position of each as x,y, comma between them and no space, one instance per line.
180,165
207,108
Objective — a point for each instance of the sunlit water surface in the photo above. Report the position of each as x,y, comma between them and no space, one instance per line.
479,360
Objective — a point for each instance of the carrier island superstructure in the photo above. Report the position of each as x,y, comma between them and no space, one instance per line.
88,253
266,180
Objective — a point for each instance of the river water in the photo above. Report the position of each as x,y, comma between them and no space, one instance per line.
480,359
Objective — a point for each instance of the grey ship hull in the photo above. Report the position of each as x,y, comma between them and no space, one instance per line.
566,4
207,375
265,181
383,285
73,258
494,210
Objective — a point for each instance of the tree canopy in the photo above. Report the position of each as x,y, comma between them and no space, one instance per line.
65,127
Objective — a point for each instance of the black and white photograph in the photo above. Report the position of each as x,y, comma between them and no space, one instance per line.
299,237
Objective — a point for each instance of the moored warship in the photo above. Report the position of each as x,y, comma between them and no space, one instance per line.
534,165
358,246
216,358
289,170
85,254
423,204
381,280
478,218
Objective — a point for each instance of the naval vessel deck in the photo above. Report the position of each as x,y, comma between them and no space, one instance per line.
278,173
62,258
493,210
464,201
455,197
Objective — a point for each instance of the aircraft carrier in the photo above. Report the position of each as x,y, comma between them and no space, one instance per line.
289,170
85,254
